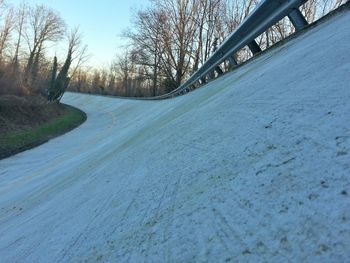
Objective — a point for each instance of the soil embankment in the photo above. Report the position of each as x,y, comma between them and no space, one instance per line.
26,122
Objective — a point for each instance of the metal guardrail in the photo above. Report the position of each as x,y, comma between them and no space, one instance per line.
265,15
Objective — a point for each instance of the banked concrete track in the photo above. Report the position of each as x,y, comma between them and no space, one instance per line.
253,167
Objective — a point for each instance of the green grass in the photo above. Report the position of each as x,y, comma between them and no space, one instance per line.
19,141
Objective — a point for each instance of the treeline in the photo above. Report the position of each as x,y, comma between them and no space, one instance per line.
27,32
171,39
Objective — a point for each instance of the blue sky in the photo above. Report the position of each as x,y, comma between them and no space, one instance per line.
100,21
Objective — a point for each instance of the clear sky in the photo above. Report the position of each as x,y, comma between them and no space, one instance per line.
100,21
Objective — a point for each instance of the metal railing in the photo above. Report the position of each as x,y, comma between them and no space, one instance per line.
265,15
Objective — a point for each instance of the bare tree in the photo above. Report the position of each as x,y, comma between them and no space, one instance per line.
61,83
178,31
43,25
20,20
207,18
5,31
79,51
146,43
124,71
112,79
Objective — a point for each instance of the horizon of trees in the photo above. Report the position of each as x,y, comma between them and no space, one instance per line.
168,41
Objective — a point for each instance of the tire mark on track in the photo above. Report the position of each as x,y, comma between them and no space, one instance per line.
167,230
222,226
84,232
153,222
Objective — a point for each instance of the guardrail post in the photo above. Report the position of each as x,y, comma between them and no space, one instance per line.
232,61
297,19
212,74
219,70
254,47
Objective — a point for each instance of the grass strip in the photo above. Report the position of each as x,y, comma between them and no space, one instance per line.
16,142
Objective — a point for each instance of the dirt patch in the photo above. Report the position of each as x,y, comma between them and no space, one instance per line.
22,113
26,122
